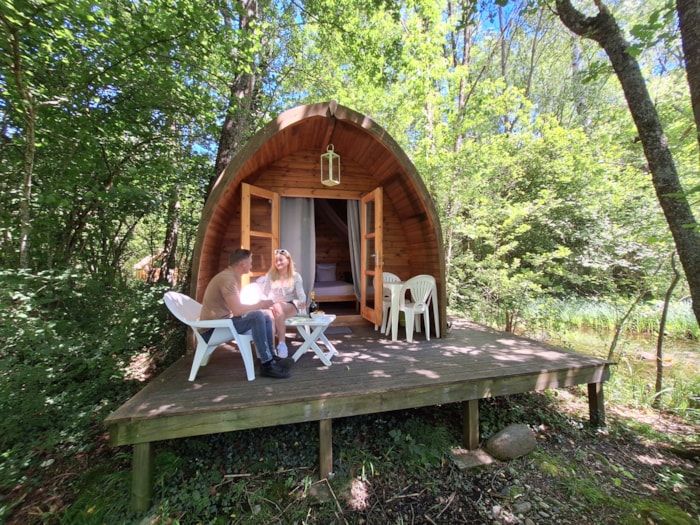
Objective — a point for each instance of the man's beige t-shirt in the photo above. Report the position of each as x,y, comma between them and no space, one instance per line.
223,284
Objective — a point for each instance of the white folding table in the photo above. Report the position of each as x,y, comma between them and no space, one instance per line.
313,329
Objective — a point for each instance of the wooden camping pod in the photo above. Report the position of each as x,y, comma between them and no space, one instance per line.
284,157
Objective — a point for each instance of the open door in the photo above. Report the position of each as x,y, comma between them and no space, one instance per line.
371,254
260,227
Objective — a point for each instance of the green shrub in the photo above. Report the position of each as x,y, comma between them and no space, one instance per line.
65,341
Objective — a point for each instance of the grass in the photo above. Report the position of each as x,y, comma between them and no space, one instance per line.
583,483
601,316
263,476
387,460
588,326
632,381
63,371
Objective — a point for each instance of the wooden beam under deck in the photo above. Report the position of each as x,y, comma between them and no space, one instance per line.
371,374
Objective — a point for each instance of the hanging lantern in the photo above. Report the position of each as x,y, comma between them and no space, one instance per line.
330,167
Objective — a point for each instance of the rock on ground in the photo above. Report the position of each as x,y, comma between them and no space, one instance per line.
512,442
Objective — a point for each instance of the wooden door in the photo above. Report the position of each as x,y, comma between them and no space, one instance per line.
371,254
260,227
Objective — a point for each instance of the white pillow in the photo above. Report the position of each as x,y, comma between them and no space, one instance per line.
325,272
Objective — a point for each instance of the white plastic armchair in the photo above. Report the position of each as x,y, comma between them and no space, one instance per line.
420,289
387,277
187,310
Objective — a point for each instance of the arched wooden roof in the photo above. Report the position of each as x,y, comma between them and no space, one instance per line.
291,144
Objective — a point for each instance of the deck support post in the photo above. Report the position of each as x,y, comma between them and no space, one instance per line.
596,404
141,476
325,447
470,424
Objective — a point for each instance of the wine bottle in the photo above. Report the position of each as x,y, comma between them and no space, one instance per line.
313,305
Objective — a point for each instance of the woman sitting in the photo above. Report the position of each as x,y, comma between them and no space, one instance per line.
285,287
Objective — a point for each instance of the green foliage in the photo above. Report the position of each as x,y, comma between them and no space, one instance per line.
265,475
600,316
420,446
587,327
632,382
497,413
124,116
101,493
525,144
540,189
67,341
583,483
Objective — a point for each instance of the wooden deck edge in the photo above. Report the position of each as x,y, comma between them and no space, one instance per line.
142,463
170,427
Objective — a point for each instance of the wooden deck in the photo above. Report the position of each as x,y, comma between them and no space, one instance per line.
371,374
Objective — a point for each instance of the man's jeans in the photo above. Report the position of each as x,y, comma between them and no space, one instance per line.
260,326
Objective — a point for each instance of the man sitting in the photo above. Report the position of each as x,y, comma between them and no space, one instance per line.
222,300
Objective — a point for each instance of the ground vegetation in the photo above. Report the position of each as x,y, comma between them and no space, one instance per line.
116,118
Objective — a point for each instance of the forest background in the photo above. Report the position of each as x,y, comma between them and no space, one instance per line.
117,117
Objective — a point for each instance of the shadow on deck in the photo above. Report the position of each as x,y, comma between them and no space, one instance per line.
371,374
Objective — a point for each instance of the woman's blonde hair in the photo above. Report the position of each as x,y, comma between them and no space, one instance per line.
274,274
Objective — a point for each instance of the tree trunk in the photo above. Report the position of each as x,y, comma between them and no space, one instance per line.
239,117
168,263
662,328
29,110
604,30
621,324
28,171
689,18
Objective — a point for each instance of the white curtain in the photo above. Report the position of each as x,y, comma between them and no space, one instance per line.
354,243
298,236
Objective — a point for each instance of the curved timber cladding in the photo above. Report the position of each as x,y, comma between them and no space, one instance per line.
283,157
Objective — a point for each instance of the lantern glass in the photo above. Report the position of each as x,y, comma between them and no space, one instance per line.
330,167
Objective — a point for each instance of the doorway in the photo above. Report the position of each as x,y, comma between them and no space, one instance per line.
345,236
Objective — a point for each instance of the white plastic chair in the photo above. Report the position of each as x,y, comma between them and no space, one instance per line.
187,310
387,277
420,289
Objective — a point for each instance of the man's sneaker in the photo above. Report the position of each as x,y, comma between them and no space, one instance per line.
273,369
282,350
285,363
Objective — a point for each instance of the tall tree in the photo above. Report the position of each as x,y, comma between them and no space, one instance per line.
689,22
17,29
238,121
604,29
168,262
93,123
